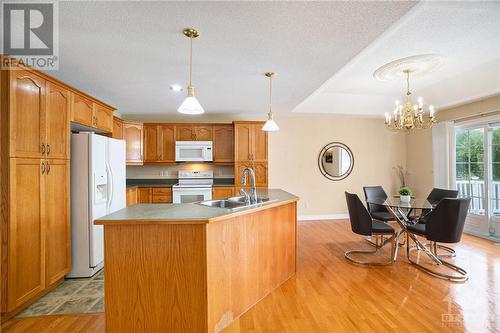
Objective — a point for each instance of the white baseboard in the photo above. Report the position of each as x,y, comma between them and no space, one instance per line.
322,217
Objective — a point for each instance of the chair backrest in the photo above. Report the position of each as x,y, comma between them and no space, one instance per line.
361,221
446,222
373,192
439,193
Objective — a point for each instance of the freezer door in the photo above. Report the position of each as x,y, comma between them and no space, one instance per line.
117,169
99,185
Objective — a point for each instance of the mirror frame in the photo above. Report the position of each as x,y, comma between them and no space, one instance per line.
320,159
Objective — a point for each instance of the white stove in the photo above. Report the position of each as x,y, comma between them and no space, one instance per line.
193,186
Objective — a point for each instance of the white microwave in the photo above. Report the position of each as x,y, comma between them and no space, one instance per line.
193,151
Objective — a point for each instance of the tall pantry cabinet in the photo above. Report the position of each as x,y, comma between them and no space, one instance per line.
35,188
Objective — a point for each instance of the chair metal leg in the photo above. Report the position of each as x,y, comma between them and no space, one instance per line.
378,244
348,255
462,277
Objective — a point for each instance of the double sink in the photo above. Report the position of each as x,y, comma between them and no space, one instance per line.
234,203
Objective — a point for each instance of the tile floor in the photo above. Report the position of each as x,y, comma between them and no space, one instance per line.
72,296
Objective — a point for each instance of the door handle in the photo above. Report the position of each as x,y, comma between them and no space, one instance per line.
48,149
43,148
48,167
43,167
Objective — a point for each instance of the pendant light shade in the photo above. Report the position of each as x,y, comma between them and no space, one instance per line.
191,104
270,125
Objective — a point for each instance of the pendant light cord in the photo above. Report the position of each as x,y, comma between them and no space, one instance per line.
190,60
408,83
270,95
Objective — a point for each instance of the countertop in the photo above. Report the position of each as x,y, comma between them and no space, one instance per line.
131,183
191,213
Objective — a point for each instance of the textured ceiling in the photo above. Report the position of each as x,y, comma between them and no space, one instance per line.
129,53
466,34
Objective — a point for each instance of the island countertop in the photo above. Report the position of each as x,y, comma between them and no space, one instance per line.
190,213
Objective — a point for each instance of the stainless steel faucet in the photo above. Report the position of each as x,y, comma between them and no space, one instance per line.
253,196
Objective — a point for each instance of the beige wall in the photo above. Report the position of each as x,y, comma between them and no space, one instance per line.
293,159
419,143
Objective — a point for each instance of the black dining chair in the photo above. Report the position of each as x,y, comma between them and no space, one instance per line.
363,224
378,212
436,195
445,224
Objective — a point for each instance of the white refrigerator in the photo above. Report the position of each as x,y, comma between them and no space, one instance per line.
97,189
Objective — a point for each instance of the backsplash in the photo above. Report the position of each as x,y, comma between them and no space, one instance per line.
171,171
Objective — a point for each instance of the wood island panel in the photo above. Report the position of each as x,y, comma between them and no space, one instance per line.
191,277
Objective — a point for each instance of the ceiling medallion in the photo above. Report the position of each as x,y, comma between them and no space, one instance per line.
417,65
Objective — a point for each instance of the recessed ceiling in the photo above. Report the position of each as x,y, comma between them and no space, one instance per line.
130,53
466,34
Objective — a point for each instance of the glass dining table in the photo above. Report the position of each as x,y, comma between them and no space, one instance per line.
401,212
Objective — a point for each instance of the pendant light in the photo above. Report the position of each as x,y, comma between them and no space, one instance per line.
191,104
270,125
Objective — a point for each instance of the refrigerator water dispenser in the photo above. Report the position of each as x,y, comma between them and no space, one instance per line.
101,186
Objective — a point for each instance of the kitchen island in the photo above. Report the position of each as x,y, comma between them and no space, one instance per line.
193,268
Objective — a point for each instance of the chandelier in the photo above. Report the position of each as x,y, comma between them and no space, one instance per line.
409,116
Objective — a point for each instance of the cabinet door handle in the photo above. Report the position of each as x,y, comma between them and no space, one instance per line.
43,167
48,167
48,149
43,148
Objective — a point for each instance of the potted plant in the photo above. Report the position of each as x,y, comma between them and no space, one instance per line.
404,194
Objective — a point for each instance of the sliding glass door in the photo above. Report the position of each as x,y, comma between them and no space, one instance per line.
477,175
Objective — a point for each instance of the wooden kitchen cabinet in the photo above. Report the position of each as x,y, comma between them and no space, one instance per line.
162,195
133,134
223,143
159,143
144,195
193,132
117,128
103,118
261,174
250,142
250,150
222,192
184,132
57,121
131,196
151,143
57,219
82,110
166,146
24,236
26,114
87,112
202,132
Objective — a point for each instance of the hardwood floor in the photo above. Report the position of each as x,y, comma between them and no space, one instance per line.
329,294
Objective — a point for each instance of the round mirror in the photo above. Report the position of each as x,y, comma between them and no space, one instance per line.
335,161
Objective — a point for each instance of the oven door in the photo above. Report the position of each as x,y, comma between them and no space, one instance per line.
192,194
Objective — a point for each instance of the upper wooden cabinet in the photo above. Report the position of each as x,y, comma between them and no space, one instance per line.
87,112
26,114
103,118
166,143
57,114
193,132
223,143
250,142
260,170
82,110
159,143
117,128
39,117
132,132
151,143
